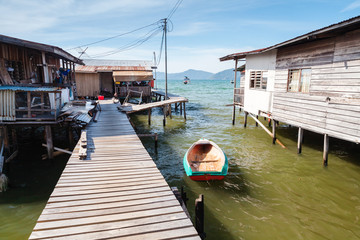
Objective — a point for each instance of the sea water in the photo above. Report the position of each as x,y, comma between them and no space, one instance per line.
269,192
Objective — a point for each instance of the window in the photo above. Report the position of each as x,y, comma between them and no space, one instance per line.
299,80
258,79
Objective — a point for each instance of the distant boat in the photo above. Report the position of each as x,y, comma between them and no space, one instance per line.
186,80
205,161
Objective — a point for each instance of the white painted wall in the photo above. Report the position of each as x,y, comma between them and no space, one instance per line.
260,100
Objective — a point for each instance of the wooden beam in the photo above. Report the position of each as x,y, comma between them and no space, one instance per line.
267,130
300,140
59,149
49,142
326,150
45,68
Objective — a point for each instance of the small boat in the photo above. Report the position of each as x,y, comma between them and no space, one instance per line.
205,161
186,80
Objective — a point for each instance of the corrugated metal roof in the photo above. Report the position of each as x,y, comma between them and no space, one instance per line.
41,47
123,63
94,69
346,25
29,89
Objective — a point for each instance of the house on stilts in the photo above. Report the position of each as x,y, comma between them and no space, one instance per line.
36,81
311,82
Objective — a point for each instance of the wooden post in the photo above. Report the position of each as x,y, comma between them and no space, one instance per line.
256,123
164,110
169,109
184,112
156,142
300,139
71,137
326,149
6,139
176,107
234,107
49,142
184,196
274,131
149,116
14,139
180,108
245,119
28,96
199,216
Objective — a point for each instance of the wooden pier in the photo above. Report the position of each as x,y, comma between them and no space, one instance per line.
117,192
178,101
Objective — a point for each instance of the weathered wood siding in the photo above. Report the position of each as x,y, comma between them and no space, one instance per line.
333,104
88,84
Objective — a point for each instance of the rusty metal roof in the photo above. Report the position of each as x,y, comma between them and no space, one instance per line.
41,47
325,32
95,69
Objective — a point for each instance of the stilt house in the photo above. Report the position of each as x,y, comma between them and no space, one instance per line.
311,82
35,80
106,77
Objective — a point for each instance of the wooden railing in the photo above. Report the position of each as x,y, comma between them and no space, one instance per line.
239,96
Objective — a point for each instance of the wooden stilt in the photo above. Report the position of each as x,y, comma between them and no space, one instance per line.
184,112
256,123
326,149
149,116
164,110
49,142
199,216
71,137
233,115
274,131
176,107
300,140
180,108
169,109
6,139
245,119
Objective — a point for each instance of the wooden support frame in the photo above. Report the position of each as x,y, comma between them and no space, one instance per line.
149,116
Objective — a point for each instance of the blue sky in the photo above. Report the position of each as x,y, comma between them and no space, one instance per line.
203,30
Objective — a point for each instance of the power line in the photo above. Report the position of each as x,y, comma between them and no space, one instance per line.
116,36
174,8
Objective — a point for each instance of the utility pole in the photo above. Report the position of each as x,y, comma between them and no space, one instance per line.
155,67
165,29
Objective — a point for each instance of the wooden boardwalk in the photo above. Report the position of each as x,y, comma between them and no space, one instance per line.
173,99
116,193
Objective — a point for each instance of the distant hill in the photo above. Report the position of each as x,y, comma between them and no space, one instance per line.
199,75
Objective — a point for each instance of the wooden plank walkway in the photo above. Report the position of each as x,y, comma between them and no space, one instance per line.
131,108
116,193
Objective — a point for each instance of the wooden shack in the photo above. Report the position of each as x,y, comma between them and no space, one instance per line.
316,84
106,77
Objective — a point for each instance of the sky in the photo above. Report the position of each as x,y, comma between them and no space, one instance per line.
200,31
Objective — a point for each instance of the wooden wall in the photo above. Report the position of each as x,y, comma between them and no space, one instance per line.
30,59
87,84
333,104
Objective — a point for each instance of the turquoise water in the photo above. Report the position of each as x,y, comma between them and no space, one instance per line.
269,192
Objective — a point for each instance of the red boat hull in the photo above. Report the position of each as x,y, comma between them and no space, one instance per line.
206,177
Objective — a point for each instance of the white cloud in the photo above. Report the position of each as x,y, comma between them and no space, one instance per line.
352,6
195,28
